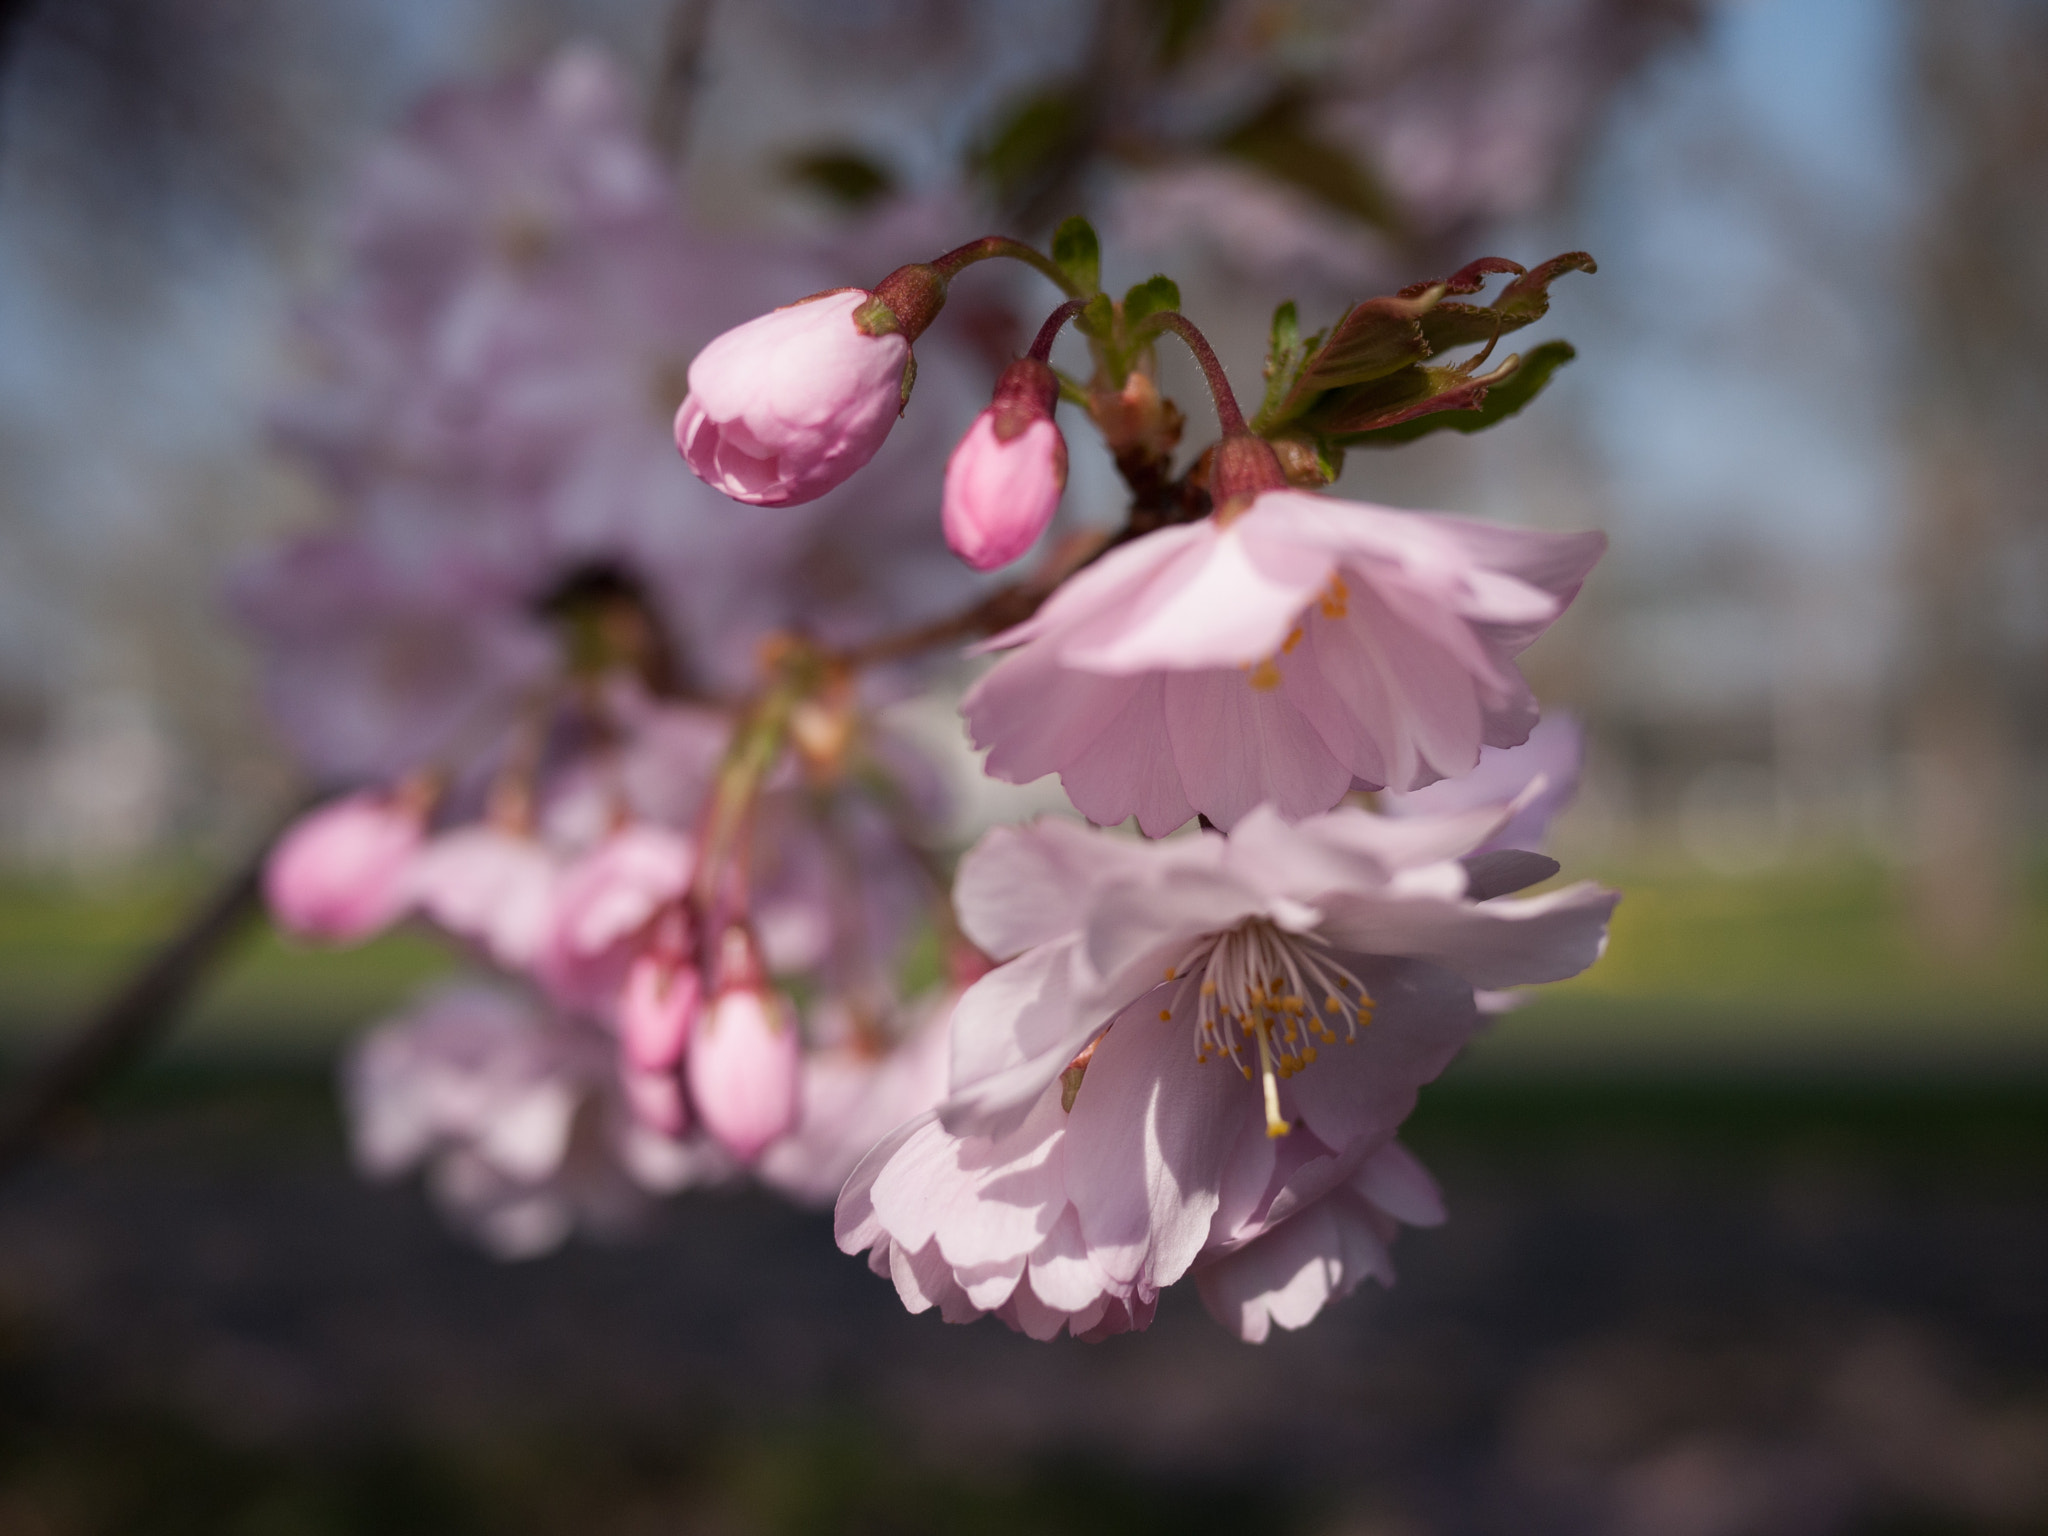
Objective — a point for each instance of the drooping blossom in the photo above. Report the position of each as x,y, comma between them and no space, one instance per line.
340,873
787,406
1287,654
1004,480
517,1116
1196,1044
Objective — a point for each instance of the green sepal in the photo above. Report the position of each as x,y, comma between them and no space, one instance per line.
1078,253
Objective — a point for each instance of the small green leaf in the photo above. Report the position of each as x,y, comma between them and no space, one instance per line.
1284,338
1155,295
1098,319
1076,252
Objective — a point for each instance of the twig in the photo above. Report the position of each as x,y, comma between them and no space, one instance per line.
133,1018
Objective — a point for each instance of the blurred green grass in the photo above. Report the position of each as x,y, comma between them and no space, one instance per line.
1807,969
63,949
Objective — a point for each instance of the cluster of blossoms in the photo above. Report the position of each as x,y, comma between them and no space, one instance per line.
1138,1056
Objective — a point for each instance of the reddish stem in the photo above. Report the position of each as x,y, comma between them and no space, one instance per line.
1228,416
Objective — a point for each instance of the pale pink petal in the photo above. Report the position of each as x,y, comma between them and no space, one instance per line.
1225,601
1236,744
1146,1146
1506,943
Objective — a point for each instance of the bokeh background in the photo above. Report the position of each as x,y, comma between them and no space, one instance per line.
1749,1225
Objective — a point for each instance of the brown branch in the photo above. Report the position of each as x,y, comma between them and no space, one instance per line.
133,1019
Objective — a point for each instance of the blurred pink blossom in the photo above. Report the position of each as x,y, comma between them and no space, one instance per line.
517,1116
340,873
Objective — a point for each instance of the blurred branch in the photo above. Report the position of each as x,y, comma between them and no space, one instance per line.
682,72
136,1016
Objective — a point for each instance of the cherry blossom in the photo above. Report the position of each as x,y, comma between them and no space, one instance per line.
1287,654
1195,1042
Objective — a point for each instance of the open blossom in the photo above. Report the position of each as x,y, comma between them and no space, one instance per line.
1287,654
1004,480
787,406
517,1116
339,874
1196,1044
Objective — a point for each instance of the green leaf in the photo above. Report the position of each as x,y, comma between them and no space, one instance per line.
1098,319
1155,295
1374,339
1076,252
1284,340
1475,405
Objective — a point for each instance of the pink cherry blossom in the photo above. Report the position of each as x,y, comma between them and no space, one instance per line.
787,406
656,1012
517,1116
1304,647
491,886
1555,751
744,1069
339,874
604,906
1193,1043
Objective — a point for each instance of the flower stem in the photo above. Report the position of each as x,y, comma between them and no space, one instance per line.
1041,345
954,261
1228,416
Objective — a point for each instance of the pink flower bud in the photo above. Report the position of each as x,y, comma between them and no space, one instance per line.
656,1099
744,1058
656,1010
785,407
1004,480
339,873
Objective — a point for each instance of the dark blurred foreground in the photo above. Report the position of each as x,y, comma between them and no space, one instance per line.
1671,1311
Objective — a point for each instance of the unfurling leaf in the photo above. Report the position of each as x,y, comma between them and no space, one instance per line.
1523,301
1076,252
1492,403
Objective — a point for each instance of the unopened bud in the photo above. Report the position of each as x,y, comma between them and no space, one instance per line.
340,873
786,407
744,1068
1004,481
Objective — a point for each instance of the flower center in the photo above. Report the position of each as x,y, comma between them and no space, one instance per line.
1257,989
